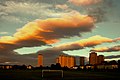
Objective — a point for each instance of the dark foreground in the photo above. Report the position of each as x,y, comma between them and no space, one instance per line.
68,75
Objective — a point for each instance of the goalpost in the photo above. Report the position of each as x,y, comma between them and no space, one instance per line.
52,72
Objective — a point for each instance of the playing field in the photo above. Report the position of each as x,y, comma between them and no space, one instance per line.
67,75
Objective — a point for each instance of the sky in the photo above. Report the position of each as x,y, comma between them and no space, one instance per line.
54,27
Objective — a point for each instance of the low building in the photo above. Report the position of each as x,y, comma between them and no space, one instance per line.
29,67
6,66
81,67
113,66
89,66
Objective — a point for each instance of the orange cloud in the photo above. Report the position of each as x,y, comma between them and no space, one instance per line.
95,40
56,28
107,49
117,39
90,42
7,39
64,6
100,49
84,2
48,31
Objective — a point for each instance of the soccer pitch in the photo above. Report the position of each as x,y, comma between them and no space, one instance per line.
67,75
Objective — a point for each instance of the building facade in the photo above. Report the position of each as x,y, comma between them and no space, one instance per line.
68,61
100,59
82,61
93,58
40,60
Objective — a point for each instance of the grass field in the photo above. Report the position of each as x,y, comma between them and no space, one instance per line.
68,75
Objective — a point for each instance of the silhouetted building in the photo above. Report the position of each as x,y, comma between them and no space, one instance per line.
68,61
82,61
93,58
108,65
40,60
100,59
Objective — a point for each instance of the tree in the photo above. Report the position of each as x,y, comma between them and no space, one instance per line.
58,66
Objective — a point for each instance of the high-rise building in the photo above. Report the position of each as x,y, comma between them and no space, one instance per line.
68,61
40,60
61,60
71,61
82,61
100,59
93,58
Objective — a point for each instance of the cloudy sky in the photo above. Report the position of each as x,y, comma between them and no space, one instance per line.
54,27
